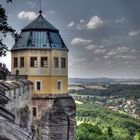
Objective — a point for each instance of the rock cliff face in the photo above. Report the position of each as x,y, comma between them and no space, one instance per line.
15,100
58,121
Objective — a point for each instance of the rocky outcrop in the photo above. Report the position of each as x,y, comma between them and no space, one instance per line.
58,120
54,125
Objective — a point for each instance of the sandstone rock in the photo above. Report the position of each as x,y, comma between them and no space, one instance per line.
58,122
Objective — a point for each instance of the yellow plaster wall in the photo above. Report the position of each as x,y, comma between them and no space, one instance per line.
49,84
49,76
50,70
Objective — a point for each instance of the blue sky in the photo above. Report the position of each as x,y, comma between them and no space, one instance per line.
103,36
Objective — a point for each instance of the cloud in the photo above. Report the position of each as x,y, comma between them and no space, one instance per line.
100,51
81,25
94,23
110,54
28,15
122,49
70,24
91,47
121,53
133,51
134,33
126,57
82,21
80,41
121,20
117,51
95,49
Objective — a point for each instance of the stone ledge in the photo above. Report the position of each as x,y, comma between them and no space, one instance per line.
50,96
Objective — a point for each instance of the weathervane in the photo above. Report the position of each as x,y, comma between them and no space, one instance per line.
40,11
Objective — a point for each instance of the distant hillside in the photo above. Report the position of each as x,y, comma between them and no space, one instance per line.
103,81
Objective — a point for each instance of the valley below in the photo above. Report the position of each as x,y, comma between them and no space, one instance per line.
107,109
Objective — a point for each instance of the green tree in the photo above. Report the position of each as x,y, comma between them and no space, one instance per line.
87,131
137,136
4,30
110,132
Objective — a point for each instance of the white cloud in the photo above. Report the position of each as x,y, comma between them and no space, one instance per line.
94,23
91,47
122,49
82,21
99,51
28,15
121,20
110,54
80,26
134,33
80,41
95,49
117,51
121,53
125,57
102,46
70,24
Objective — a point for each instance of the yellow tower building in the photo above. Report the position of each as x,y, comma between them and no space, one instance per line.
41,54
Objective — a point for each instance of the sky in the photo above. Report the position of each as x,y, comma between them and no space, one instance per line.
103,36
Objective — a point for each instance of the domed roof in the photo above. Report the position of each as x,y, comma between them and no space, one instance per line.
39,34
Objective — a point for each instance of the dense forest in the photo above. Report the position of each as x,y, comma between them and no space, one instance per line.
96,122
125,91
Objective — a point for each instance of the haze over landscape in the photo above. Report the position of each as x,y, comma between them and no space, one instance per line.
103,36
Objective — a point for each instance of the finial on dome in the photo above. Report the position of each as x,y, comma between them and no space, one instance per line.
40,12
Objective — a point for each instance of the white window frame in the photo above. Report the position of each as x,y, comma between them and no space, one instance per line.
61,85
36,85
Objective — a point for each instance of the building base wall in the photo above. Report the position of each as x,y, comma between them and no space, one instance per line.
49,84
56,117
